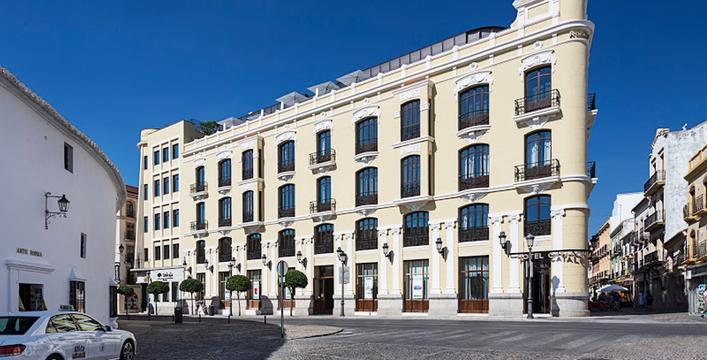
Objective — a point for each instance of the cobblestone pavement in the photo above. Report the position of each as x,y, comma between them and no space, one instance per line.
421,339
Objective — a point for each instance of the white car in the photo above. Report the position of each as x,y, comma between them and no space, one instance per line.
61,335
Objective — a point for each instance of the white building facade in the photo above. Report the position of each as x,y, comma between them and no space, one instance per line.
50,257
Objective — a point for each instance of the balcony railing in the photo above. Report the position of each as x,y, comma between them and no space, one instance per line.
416,236
592,169
247,173
473,182
224,222
366,239
658,176
537,101
473,234
247,216
409,189
655,218
198,187
286,248
537,170
322,205
698,204
539,227
199,225
409,132
285,213
224,181
285,167
324,245
651,258
130,235
367,199
322,157
699,248
253,253
591,101
473,118
224,255
366,147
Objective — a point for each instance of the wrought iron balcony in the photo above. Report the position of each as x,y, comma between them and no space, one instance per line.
285,213
469,181
409,189
322,205
409,132
698,205
366,147
286,248
324,245
199,225
247,172
537,170
224,255
416,236
537,102
654,221
366,239
539,227
592,169
651,259
253,253
322,157
473,118
198,188
224,222
285,166
248,216
654,182
366,199
699,249
591,101
473,234
224,181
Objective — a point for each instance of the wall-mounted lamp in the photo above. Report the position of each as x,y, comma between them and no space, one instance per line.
63,204
505,244
266,262
341,255
438,244
386,251
299,256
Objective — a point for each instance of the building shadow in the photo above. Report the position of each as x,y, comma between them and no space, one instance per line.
555,307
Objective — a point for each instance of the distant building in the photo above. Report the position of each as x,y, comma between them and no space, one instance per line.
58,211
601,258
125,231
696,217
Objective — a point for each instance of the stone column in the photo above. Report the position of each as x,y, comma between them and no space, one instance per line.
350,287
450,288
497,260
264,285
514,262
397,260
442,304
382,265
435,261
303,296
309,251
556,278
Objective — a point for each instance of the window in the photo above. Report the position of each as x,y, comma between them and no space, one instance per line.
286,206
366,286
165,252
175,290
175,217
410,176
82,250
224,172
224,212
323,146
247,160
367,234
474,284
145,191
165,219
367,135
156,221
77,295
286,153
165,155
156,157
68,158
112,301
324,239
146,254
200,176
473,222
144,162
538,88
86,323
416,286
156,188
416,229
538,155
175,182
61,323
200,216
410,120
324,202
165,185
145,223
175,151
248,206
253,247
130,209
224,249
474,107
200,251
158,253
175,251
474,167
537,215
367,186
286,243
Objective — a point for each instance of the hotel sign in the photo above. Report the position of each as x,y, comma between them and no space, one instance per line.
24,251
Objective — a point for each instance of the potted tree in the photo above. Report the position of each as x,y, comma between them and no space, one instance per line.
237,283
294,279
191,286
157,288
126,291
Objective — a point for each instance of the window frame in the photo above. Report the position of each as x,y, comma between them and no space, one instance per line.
366,135
410,115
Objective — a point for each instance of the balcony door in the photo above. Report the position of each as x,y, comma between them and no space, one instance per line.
323,146
324,193
538,154
416,286
538,88
200,177
323,302
367,287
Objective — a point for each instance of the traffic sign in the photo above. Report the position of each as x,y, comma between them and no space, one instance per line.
281,268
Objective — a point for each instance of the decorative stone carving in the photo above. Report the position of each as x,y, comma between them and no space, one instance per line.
367,157
557,213
483,77
496,219
366,112
475,196
473,66
474,133
545,57
411,149
410,94
224,155
450,224
537,45
285,136
537,122
200,162
323,125
248,144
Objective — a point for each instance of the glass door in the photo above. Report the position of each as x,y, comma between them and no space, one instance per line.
416,288
367,287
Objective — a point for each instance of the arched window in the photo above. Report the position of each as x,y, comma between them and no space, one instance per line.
247,164
367,234
410,120
474,107
200,223
224,172
416,229
324,239
538,156
474,167
224,212
224,249
130,209
367,186
537,215
200,251
324,201
323,146
286,201
286,152
367,135
473,222
253,247
410,176
286,243
538,88
248,206
200,177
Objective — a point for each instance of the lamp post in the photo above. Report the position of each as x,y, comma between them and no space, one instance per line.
342,257
231,264
530,239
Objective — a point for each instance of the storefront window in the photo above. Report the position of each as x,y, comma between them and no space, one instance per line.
473,284
366,287
32,297
416,286
77,295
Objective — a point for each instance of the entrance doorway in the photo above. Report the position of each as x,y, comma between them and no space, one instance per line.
541,285
415,293
367,287
323,302
32,297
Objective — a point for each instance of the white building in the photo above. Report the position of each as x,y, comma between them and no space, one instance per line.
47,259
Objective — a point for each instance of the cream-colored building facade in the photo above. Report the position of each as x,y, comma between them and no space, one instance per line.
601,257
413,168
695,210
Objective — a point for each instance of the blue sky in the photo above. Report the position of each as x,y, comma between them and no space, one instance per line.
113,68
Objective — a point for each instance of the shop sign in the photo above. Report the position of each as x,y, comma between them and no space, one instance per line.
368,287
256,290
417,287
24,251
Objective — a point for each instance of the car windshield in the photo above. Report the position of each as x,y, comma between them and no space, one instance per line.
16,325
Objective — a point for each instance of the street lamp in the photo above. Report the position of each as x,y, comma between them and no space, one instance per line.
505,245
63,204
299,256
231,264
343,258
530,240
265,260
438,244
386,250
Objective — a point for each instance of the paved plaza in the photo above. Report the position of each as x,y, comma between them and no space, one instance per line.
623,338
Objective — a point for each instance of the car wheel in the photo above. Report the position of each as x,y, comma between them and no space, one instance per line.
127,352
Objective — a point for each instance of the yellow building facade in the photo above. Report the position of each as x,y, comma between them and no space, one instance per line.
695,211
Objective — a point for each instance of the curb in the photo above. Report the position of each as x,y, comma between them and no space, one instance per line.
314,336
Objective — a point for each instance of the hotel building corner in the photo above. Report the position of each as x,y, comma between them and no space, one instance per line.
413,168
